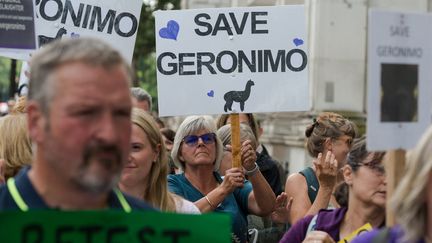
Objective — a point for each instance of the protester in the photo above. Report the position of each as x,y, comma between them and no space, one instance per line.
365,178
412,200
198,151
329,140
168,139
141,99
15,145
145,174
268,231
78,110
268,166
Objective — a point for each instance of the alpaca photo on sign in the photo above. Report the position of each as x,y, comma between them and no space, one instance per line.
46,39
238,96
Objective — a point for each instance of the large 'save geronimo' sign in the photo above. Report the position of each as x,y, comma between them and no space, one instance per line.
213,61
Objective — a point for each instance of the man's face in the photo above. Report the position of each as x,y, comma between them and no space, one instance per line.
86,139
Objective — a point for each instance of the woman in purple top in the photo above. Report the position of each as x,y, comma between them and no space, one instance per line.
365,179
412,201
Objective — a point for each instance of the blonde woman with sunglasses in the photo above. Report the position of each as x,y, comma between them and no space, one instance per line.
198,152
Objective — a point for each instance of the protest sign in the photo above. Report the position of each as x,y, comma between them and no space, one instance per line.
215,61
17,29
399,79
112,226
116,22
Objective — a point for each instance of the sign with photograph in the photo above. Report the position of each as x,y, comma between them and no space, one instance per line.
399,79
216,61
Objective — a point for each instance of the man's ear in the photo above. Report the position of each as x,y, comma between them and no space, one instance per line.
348,174
36,121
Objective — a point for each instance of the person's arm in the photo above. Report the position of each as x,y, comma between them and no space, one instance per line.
261,201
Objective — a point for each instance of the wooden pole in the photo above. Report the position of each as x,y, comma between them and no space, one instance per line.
394,162
235,140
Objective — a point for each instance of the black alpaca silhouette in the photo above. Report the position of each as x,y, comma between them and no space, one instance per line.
46,39
237,96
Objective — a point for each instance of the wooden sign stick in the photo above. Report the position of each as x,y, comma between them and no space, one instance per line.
235,140
394,162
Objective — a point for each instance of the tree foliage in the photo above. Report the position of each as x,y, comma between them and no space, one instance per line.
144,59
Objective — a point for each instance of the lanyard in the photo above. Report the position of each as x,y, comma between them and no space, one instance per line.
16,196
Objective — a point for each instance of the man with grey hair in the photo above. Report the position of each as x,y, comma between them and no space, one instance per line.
141,99
79,111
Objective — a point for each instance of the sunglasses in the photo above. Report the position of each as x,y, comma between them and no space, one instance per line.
192,140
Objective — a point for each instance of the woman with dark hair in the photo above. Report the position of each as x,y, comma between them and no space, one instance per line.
364,177
329,140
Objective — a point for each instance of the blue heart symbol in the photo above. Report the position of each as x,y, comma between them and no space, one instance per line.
75,35
171,31
298,42
210,93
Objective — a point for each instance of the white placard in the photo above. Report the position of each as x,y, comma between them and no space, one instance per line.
399,78
114,21
215,61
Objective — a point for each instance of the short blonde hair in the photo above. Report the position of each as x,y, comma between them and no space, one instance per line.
408,200
190,125
246,133
15,145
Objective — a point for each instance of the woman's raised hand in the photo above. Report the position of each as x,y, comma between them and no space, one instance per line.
326,169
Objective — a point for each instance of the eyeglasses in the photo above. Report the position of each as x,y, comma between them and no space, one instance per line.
192,140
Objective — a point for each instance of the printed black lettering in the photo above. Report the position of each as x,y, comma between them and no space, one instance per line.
61,231
32,233
203,24
208,63
133,28
76,19
115,232
219,62
173,66
268,58
239,29
243,58
89,231
256,22
288,60
86,16
144,232
56,15
176,234
225,25
96,15
183,63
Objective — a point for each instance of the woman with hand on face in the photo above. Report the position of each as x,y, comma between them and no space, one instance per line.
145,174
364,178
329,140
198,151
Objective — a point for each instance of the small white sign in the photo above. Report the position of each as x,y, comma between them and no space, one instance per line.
215,61
399,79
116,22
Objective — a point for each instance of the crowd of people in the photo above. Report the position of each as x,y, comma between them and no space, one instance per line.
83,139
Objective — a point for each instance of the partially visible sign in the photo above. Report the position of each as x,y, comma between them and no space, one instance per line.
112,226
216,61
399,79
116,22
17,27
